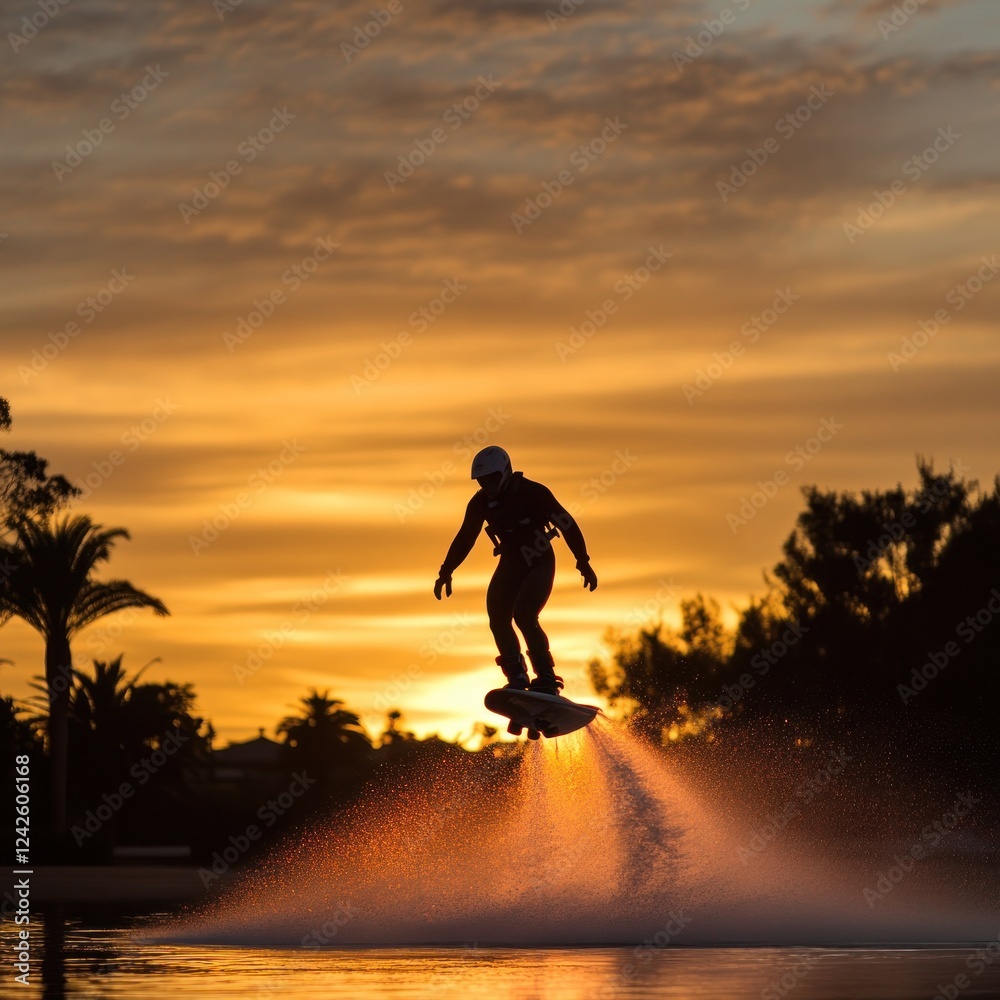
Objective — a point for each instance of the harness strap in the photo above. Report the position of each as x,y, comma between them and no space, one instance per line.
495,539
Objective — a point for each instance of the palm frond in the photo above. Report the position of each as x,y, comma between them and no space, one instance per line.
97,599
49,584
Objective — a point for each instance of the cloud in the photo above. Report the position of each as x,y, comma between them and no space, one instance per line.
388,400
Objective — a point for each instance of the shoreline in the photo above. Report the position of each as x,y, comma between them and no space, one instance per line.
121,883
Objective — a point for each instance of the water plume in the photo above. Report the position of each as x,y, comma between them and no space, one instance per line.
593,838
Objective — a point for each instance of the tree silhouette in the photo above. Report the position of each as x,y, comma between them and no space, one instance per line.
852,574
861,557
17,735
50,587
26,488
325,737
27,491
641,678
99,703
658,677
115,724
870,589
393,734
706,645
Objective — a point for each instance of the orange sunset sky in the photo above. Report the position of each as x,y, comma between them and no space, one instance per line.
547,226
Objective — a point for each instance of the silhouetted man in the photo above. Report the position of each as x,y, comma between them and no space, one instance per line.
522,517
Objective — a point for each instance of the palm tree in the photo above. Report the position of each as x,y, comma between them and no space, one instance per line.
101,699
323,720
325,736
101,721
50,587
116,721
112,716
17,735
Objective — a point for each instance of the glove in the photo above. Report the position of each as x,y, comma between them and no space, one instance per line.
588,574
443,581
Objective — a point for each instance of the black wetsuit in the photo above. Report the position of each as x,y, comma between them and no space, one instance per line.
518,520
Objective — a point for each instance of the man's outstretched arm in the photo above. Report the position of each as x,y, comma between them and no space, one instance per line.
460,547
566,523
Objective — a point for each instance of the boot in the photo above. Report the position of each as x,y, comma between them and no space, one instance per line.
546,681
515,671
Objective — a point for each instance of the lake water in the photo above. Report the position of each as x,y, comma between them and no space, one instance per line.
598,870
84,961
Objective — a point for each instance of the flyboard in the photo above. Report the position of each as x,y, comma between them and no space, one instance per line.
548,714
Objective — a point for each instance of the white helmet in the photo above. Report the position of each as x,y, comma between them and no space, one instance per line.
489,460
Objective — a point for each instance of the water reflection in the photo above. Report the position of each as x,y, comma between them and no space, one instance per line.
53,964
86,959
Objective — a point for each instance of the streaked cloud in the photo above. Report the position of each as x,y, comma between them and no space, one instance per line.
386,402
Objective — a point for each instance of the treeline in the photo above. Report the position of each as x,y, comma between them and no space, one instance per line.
881,618
144,771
